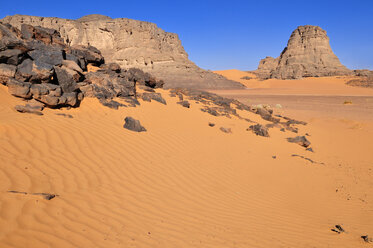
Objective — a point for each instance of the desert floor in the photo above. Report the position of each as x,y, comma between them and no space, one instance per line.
186,184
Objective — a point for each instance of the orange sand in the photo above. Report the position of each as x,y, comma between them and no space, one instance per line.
181,183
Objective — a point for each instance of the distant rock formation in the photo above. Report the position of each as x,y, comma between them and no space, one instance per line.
308,54
132,43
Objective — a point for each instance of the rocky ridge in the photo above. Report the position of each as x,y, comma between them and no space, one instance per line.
132,43
36,64
308,54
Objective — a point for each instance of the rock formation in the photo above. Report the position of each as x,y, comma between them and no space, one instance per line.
308,54
132,43
36,64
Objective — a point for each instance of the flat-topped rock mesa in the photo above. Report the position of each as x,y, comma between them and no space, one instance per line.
308,54
132,43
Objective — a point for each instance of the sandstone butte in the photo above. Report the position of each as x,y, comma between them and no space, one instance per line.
132,43
308,54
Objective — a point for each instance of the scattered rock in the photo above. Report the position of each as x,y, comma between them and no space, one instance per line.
226,130
338,229
46,196
259,130
185,104
133,125
112,104
65,115
27,109
367,239
148,96
300,140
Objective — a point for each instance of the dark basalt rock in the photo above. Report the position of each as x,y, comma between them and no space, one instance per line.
300,140
67,78
185,104
34,71
112,104
133,125
47,55
259,130
143,78
88,54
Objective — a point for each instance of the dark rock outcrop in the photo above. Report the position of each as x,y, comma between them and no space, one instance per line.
308,54
35,63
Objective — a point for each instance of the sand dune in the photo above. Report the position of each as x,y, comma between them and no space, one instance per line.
181,183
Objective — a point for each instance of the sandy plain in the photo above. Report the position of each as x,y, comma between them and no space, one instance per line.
186,184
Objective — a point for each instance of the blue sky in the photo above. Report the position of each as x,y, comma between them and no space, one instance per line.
232,34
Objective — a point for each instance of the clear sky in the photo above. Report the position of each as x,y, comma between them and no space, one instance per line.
232,33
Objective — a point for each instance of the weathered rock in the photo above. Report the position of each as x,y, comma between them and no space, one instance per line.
259,130
308,54
18,88
72,65
154,96
89,53
300,140
11,56
131,43
133,125
185,104
34,71
112,104
109,86
50,101
67,78
47,55
27,109
7,70
46,35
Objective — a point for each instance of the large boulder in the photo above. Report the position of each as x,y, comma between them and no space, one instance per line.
67,78
308,54
47,55
34,71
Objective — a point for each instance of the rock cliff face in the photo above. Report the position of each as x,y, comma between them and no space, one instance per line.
308,54
132,43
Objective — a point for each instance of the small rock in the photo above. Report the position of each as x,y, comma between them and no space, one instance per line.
211,124
300,140
133,125
309,149
27,109
226,130
367,239
185,104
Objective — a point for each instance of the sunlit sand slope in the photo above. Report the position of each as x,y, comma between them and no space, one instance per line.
180,184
